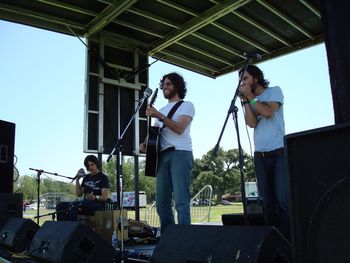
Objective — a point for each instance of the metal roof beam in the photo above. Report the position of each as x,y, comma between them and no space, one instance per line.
259,26
107,15
70,7
219,44
204,53
241,37
311,8
196,23
189,62
39,19
153,17
285,18
262,28
138,28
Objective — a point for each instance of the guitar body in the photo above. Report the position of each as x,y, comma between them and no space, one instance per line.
152,151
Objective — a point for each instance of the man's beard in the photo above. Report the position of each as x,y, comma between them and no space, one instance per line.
172,94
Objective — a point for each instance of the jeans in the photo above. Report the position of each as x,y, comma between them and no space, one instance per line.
273,188
173,182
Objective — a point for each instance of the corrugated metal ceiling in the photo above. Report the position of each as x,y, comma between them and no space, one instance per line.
208,37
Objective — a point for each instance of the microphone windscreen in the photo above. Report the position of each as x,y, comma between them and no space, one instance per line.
81,172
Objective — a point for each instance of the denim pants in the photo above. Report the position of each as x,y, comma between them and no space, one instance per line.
273,188
173,182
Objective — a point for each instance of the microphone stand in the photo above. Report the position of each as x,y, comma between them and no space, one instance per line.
39,173
233,109
119,175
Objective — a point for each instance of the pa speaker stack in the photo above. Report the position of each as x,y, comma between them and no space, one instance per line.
17,233
11,205
70,242
319,175
7,147
207,243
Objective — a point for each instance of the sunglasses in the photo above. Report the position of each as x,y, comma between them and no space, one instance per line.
162,84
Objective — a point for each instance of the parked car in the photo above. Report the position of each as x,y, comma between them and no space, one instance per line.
201,202
32,206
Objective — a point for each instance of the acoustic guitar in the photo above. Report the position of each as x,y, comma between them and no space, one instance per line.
153,144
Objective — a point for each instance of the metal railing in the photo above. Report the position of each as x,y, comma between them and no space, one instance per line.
200,208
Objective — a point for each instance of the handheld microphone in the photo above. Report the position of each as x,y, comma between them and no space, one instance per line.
80,173
252,55
146,94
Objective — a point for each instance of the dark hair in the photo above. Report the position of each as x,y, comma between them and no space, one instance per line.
257,74
178,81
93,159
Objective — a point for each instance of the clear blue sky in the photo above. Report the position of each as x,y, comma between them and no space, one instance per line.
42,82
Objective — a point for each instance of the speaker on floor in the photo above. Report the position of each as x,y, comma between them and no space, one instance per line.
17,233
70,242
208,243
256,219
7,147
318,164
11,205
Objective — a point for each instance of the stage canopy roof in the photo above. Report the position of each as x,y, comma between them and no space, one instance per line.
210,37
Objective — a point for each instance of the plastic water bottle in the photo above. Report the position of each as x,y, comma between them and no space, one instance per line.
114,239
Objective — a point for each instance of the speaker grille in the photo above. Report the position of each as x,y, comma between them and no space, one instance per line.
319,168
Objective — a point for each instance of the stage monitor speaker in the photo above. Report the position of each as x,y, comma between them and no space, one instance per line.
11,205
208,243
318,163
70,242
238,219
17,233
7,147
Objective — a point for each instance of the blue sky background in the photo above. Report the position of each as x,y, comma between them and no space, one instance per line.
42,83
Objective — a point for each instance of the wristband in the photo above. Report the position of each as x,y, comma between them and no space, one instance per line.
253,101
162,118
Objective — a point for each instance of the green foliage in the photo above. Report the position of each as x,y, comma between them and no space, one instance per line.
222,172
27,185
146,184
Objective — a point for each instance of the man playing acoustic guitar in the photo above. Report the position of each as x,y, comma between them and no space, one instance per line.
175,159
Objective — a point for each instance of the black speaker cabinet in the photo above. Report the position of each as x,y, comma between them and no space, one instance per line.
70,242
11,205
17,233
238,219
319,173
7,147
208,243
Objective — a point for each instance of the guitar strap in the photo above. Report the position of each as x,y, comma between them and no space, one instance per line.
172,111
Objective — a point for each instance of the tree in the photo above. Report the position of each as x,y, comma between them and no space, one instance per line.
222,172
146,184
27,185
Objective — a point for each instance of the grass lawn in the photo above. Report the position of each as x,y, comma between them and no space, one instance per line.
215,213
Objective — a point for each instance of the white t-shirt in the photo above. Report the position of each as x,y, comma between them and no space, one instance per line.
269,133
169,138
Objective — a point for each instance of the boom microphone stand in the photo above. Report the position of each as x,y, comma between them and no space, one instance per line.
233,110
39,173
118,148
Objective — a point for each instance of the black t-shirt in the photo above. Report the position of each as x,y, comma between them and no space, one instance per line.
94,183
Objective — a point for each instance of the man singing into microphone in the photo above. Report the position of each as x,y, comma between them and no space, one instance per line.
263,111
94,187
